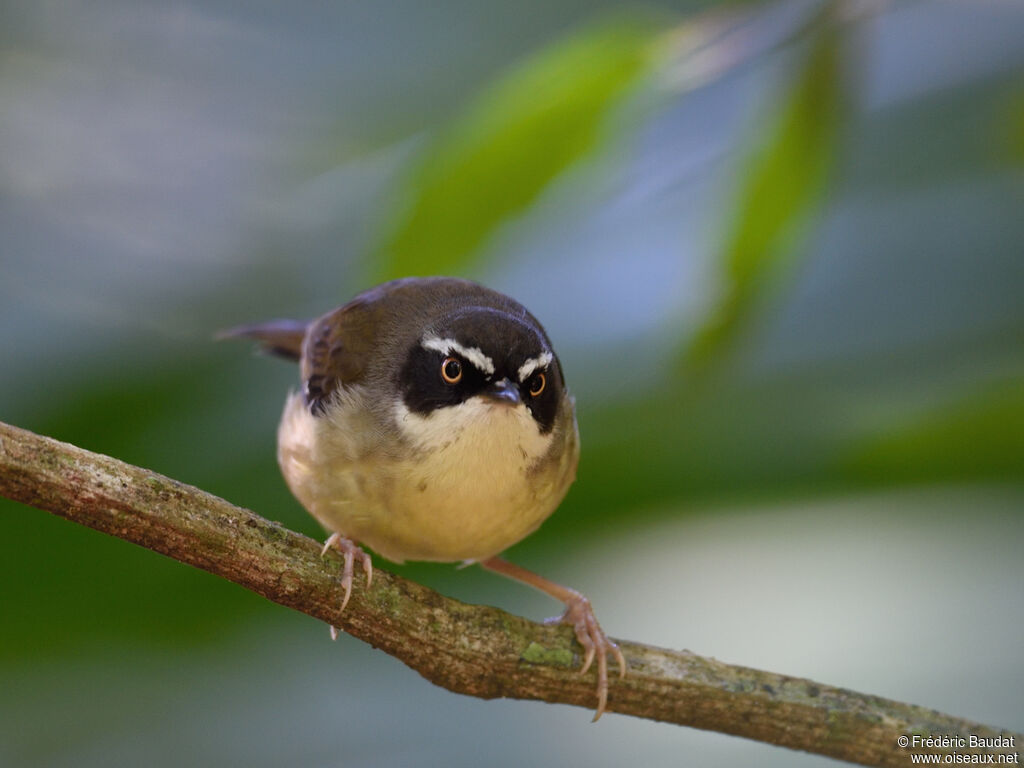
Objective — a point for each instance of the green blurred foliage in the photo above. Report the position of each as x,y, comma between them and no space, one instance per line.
781,186
1014,132
492,161
978,437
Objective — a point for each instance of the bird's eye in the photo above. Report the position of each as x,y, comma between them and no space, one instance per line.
536,384
451,370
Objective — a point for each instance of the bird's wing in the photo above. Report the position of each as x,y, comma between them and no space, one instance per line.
340,346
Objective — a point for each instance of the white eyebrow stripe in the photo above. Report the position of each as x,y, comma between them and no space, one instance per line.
543,360
474,354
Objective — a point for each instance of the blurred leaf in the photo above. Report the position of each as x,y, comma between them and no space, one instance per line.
69,590
511,143
783,185
1015,127
686,445
981,437
677,447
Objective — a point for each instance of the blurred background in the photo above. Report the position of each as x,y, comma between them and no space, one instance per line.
779,247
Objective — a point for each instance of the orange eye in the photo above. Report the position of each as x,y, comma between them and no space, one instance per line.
537,383
451,370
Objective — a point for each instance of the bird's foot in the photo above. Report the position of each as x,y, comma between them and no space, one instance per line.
351,552
580,616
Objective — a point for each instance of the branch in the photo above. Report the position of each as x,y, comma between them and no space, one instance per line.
475,650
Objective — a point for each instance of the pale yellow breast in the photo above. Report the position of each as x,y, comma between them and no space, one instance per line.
467,484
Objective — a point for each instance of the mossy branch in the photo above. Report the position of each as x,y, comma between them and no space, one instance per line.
475,650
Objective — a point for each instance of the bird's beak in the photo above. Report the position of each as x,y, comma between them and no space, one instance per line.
503,391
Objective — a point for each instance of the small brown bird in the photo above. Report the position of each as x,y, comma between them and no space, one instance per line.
433,424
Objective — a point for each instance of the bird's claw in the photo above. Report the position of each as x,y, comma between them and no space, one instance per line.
596,645
350,552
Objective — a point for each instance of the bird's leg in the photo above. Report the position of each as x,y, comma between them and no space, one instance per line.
351,552
580,615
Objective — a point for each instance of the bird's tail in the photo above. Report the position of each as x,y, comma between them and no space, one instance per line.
277,337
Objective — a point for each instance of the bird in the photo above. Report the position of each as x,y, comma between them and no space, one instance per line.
433,423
